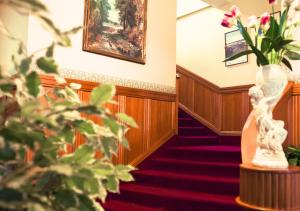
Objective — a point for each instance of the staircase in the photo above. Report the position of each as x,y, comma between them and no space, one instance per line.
194,171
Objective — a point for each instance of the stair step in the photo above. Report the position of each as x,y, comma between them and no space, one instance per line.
184,118
193,130
182,114
188,122
225,169
198,140
230,140
206,153
193,182
117,205
176,199
194,171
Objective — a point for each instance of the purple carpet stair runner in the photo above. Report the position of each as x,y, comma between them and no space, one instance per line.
194,171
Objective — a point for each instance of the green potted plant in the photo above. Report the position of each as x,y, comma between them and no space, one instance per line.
293,155
54,179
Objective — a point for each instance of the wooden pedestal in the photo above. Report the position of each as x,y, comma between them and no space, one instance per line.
269,189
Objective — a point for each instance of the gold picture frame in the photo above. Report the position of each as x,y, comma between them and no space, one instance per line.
116,28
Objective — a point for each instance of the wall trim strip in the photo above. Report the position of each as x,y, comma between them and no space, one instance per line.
101,78
49,81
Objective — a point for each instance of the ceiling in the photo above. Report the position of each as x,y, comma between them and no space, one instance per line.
253,7
185,7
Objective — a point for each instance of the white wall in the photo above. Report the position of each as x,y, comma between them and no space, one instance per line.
160,65
8,47
200,49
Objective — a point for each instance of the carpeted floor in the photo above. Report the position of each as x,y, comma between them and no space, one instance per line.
194,171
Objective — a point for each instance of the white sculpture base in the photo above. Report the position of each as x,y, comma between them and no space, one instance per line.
265,158
271,81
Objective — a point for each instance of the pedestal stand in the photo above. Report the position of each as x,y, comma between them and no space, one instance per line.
269,189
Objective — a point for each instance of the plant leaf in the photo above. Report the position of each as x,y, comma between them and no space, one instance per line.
84,126
112,125
49,52
65,198
83,154
85,203
293,55
244,33
33,84
127,119
112,184
102,94
273,31
68,134
293,161
25,64
47,65
6,87
287,63
10,195
72,31
292,47
283,21
262,60
243,53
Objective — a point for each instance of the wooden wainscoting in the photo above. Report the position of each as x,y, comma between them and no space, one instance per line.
154,112
224,110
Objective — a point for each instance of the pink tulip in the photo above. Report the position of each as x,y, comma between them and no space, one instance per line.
235,11
227,22
272,2
265,19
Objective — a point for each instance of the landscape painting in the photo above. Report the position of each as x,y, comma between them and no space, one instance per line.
116,28
234,43
234,48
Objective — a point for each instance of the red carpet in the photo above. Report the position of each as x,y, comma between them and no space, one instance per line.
194,171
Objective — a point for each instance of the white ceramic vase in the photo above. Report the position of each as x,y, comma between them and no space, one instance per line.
271,81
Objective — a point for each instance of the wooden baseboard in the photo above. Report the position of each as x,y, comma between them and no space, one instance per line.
152,149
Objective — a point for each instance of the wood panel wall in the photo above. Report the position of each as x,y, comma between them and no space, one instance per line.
224,110
154,112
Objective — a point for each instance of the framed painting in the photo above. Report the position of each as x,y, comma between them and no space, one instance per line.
116,28
234,43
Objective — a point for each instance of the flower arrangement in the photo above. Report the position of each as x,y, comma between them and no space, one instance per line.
273,41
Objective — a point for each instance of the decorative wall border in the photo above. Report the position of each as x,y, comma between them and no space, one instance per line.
101,78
